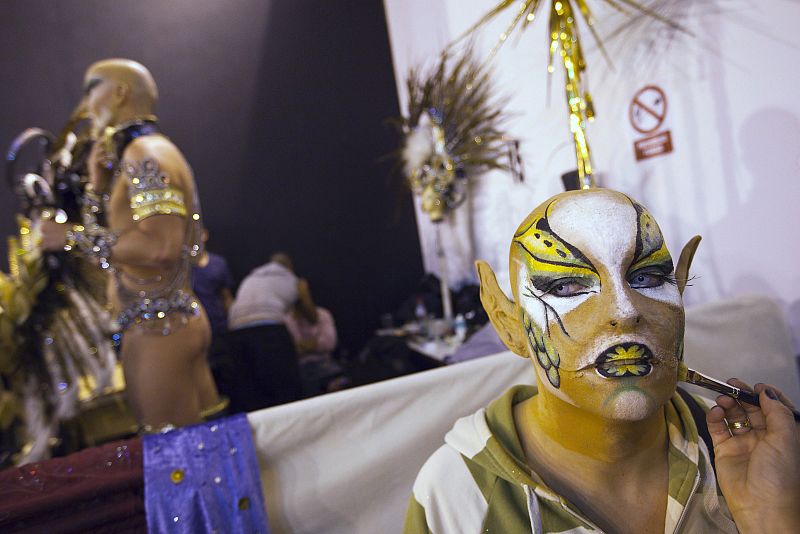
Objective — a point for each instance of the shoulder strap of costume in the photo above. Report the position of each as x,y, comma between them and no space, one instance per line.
124,136
699,416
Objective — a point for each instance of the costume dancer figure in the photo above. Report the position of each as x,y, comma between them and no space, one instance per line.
145,189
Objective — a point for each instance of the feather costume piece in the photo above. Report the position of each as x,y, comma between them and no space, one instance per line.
451,132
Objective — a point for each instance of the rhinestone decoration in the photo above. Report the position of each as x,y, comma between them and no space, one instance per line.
148,310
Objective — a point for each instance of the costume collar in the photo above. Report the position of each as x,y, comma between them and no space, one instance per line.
489,438
127,131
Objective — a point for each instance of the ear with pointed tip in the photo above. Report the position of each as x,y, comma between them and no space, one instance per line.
685,261
501,311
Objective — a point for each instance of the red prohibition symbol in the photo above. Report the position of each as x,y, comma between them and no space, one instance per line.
648,109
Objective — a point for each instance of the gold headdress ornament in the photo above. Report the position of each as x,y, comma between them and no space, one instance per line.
450,132
565,38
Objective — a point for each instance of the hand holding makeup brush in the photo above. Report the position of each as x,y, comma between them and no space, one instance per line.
757,453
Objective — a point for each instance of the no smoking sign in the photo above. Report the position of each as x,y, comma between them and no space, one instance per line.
647,112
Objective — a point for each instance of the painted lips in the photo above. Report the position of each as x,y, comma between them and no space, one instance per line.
625,359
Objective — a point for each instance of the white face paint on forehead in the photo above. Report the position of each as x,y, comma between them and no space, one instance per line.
602,225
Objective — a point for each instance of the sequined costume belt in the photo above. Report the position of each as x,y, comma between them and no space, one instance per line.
144,312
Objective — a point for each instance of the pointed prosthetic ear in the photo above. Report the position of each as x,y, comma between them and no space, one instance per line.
501,311
685,261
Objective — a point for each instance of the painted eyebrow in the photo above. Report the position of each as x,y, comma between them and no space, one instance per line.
91,84
665,266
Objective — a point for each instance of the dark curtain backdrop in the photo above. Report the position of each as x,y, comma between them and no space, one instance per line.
278,106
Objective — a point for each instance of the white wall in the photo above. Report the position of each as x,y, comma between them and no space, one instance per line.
734,175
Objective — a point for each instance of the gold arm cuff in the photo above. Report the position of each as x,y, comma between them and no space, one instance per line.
167,201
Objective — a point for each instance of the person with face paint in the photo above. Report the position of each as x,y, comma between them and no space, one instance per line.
604,443
141,220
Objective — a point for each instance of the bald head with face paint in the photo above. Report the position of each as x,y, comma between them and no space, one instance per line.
116,90
597,303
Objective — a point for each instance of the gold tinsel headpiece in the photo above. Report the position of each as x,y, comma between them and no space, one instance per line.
564,38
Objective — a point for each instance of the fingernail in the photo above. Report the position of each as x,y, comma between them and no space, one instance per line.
771,394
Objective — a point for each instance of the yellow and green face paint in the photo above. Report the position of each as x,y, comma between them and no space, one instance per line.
597,299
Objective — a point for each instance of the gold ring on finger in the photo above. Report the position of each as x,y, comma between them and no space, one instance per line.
736,425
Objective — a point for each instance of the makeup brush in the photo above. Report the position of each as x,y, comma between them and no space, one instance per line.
690,376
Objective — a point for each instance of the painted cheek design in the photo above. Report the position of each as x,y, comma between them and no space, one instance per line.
666,293
559,306
549,259
543,349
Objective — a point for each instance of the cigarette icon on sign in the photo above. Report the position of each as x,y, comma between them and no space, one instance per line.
648,109
646,113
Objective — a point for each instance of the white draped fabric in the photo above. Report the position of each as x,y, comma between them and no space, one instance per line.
346,462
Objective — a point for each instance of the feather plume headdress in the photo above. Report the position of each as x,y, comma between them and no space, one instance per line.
450,132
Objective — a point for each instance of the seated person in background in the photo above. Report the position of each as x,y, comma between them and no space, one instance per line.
605,443
262,347
314,338
212,283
